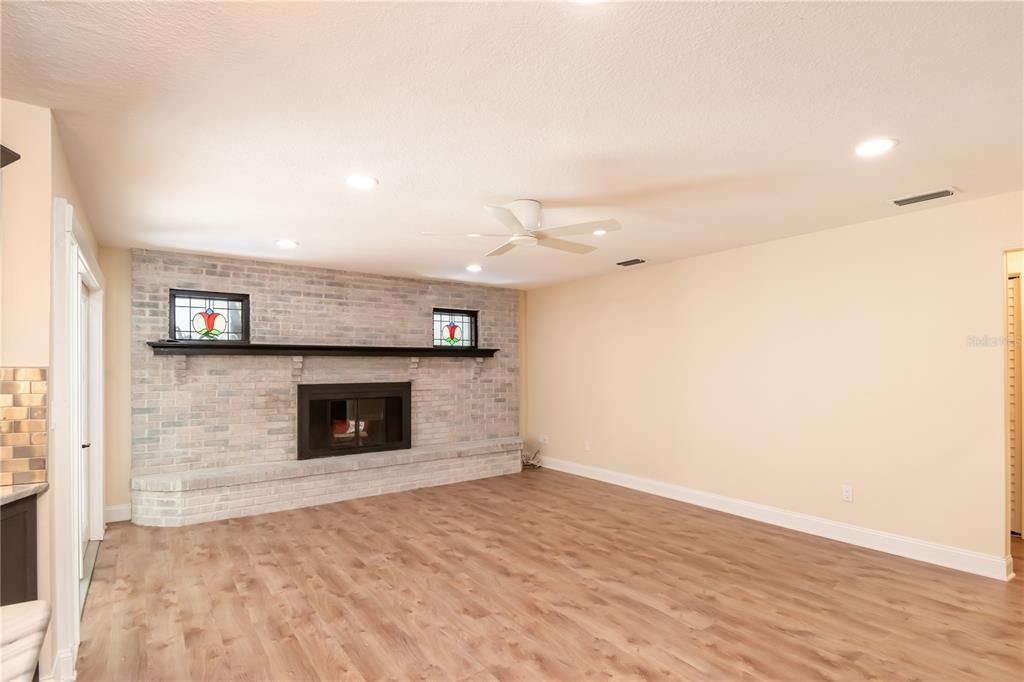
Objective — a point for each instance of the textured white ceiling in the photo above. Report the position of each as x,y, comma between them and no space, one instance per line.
221,127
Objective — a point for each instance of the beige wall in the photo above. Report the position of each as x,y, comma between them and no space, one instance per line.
64,186
522,363
117,332
25,210
28,189
1015,263
778,372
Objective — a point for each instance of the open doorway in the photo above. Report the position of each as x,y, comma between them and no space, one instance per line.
86,376
1015,404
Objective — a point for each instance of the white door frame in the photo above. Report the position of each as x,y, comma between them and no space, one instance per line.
69,260
93,279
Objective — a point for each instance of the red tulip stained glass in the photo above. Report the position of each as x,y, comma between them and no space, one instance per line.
454,328
196,317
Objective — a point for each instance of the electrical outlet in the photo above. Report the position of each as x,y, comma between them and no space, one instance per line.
544,438
586,446
847,493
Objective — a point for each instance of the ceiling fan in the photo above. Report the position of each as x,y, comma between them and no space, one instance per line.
522,220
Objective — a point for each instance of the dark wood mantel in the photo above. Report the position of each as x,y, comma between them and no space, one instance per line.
227,348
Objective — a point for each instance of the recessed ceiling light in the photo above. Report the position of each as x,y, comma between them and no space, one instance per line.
876,146
473,234
600,233
362,181
286,244
474,268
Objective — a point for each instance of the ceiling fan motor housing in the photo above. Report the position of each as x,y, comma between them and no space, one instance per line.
527,211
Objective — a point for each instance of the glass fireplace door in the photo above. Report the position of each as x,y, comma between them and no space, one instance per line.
341,419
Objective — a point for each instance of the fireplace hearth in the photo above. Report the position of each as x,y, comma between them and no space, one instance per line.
347,419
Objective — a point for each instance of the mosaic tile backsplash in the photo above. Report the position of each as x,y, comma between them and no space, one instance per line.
23,425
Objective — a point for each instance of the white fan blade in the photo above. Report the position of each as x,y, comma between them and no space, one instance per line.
506,218
504,248
463,234
562,244
582,228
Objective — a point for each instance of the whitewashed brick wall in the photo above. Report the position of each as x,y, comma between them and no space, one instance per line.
208,411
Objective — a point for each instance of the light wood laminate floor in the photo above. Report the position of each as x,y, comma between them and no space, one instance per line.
536,576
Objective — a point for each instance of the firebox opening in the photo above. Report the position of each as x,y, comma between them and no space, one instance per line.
344,419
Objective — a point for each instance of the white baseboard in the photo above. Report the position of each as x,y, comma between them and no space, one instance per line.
988,565
117,512
63,669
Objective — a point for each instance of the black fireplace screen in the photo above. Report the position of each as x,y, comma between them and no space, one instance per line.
345,419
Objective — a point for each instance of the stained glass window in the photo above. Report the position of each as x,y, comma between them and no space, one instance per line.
454,328
209,316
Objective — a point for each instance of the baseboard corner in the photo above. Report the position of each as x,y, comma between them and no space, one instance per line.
1009,574
63,669
117,512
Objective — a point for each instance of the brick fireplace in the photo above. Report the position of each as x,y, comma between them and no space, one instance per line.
217,437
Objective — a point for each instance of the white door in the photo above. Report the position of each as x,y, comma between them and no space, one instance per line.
1014,385
83,422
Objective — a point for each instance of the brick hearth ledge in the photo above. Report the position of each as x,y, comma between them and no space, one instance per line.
183,498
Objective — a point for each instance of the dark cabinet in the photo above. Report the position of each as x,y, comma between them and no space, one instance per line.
18,551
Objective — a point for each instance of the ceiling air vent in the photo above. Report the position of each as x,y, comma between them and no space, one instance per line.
939,194
631,262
